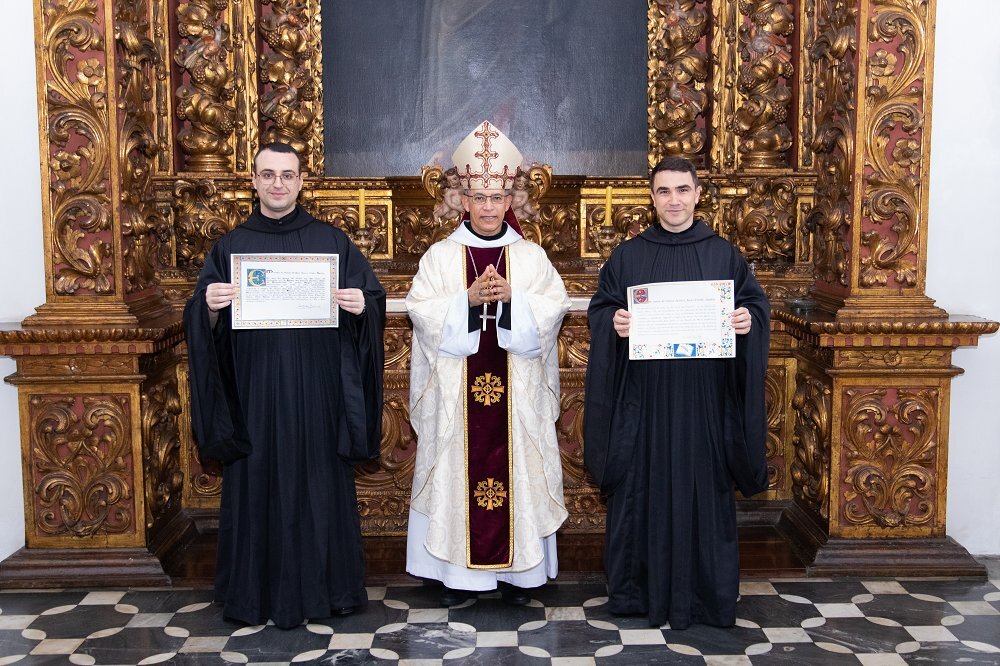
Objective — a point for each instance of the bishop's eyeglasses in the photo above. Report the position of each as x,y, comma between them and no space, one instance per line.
287,177
481,199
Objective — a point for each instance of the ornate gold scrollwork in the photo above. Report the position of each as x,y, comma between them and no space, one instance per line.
144,230
569,428
762,224
894,132
678,69
81,461
203,104
288,82
835,54
78,124
775,401
160,409
201,216
890,453
811,442
767,64
397,456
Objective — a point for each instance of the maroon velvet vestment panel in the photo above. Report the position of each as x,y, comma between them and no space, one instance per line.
487,447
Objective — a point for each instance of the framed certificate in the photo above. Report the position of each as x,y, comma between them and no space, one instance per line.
674,320
285,290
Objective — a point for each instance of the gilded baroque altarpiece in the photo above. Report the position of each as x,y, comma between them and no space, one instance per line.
809,121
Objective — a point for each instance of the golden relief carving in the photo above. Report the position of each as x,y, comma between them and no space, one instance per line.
416,230
810,469
76,366
204,102
145,232
569,429
81,466
762,223
725,65
678,70
160,408
397,347
77,114
574,347
807,95
775,401
766,68
890,454
834,53
555,228
394,469
893,358
894,132
201,216
288,99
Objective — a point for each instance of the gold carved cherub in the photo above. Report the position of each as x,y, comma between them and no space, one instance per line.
451,196
522,206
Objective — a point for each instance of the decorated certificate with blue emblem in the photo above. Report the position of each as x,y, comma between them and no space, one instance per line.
676,320
285,291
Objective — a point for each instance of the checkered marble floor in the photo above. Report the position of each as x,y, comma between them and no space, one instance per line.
781,621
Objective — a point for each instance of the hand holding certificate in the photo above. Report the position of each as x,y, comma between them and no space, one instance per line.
285,290
681,320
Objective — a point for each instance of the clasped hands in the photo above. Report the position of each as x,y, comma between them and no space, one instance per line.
219,295
489,287
622,321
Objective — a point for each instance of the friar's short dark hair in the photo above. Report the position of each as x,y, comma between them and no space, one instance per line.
277,147
678,164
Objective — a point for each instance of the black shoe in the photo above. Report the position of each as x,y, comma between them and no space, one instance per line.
514,596
450,597
344,611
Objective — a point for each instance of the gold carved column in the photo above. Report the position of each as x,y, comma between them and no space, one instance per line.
872,353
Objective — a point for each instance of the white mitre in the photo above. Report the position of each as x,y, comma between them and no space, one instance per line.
486,159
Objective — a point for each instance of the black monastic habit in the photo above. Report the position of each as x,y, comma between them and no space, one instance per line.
667,440
287,411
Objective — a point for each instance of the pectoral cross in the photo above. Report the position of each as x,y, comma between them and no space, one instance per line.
485,316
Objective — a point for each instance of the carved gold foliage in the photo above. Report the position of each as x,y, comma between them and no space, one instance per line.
555,228
397,348
143,228
890,453
892,358
587,511
203,104
78,125
894,122
201,216
766,55
288,82
775,401
678,70
397,455
810,468
762,223
163,478
416,230
834,53
81,464
569,429
574,347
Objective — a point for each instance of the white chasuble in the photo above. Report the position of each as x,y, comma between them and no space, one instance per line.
438,308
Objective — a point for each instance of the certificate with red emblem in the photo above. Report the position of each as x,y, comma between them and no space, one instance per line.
675,320
284,290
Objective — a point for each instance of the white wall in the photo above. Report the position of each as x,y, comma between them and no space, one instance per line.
964,237
22,280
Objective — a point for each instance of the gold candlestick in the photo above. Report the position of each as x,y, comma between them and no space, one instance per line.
608,213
